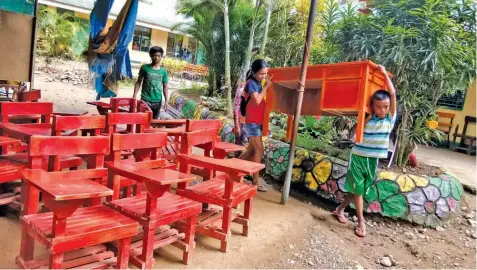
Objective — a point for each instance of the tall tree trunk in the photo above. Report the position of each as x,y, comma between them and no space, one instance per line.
248,55
267,25
228,83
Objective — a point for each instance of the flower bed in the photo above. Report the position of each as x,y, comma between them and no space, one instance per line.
423,200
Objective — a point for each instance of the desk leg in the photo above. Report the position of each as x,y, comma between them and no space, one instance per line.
247,212
189,239
226,221
147,247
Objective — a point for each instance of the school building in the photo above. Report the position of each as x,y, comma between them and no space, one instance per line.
154,21
460,104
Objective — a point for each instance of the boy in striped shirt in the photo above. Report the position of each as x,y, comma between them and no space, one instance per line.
364,156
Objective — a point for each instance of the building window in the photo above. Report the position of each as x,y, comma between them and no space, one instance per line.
455,101
141,39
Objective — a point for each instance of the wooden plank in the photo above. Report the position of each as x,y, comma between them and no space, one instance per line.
232,165
65,145
159,176
62,189
138,141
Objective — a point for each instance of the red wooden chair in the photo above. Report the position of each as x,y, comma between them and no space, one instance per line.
72,235
33,95
45,109
75,125
226,190
25,112
135,122
27,96
123,105
120,105
156,208
221,149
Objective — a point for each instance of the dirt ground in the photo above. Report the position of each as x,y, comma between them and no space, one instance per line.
301,234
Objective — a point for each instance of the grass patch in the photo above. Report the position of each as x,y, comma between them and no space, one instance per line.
127,82
194,92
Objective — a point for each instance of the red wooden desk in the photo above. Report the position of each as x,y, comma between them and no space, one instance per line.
176,131
23,132
232,166
104,107
173,148
70,112
331,89
168,123
64,229
226,191
8,141
158,208
58,186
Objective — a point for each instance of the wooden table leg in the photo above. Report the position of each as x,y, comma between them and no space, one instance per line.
189,239
123,253
226,220
147,247
247,212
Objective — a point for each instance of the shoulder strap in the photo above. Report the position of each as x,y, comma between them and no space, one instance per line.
244,90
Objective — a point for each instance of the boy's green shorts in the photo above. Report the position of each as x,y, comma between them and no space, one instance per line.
361,174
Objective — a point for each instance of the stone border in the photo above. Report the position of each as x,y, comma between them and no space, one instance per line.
424,200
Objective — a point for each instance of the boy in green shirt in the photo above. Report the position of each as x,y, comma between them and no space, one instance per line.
154,81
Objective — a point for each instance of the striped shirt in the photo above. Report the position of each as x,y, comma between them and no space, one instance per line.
376,137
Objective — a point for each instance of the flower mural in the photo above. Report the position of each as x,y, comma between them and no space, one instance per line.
313,170
449,186
420,199
427,206
384,197
278,164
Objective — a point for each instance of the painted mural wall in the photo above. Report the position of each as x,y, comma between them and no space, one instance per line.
423,200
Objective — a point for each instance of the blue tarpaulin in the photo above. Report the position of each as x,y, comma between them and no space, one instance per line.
108,54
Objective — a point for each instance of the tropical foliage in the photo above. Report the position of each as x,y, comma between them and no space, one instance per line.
219,25
56,33
429,46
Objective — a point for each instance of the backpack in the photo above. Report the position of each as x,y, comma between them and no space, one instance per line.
244,102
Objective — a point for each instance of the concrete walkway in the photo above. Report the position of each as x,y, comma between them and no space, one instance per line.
461,165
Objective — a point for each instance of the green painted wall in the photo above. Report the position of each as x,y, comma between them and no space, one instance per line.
18,6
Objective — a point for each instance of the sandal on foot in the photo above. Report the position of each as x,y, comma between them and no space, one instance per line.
360,232
341,219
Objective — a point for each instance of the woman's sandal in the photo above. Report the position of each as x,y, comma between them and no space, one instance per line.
341,219
360,232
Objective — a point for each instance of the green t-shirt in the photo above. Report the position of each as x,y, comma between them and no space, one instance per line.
152,82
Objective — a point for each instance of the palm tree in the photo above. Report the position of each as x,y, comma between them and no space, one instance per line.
56,33
228,81
195,6
208,27
268,8
254,24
